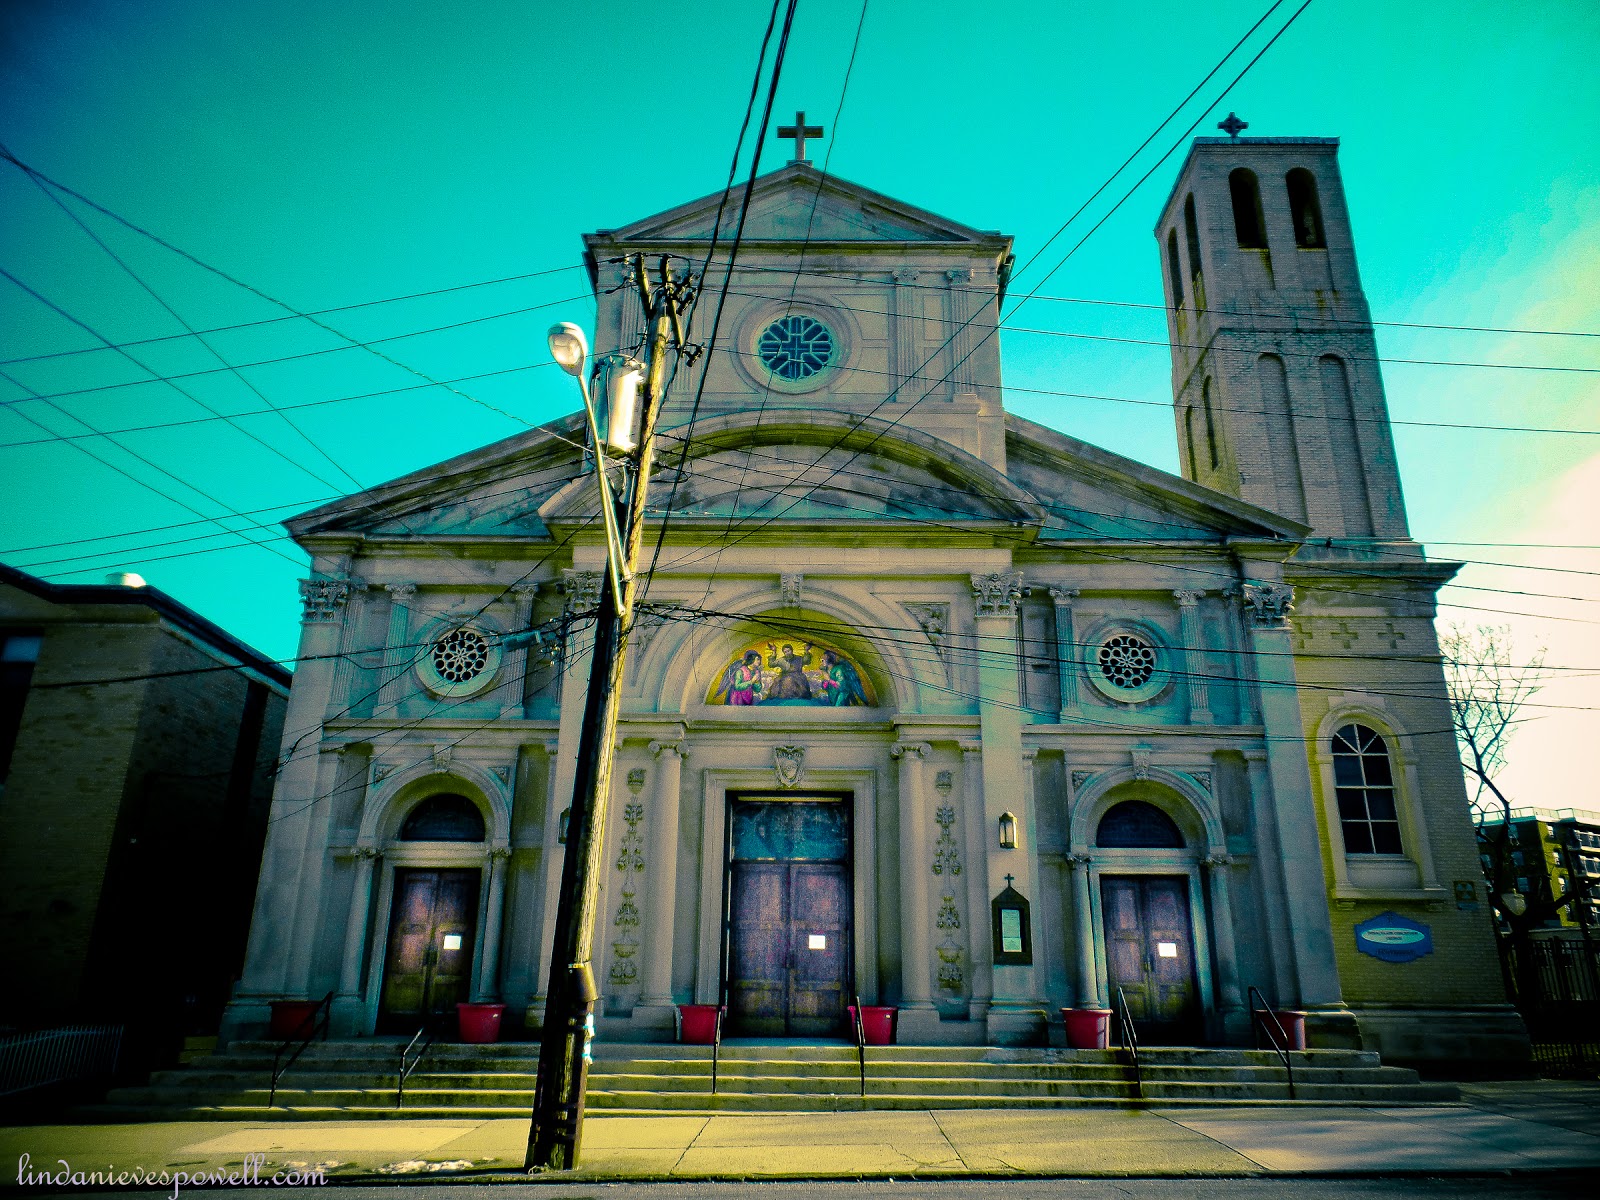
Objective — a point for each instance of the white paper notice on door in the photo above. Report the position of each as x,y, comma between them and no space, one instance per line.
1167,949
816,941
452,941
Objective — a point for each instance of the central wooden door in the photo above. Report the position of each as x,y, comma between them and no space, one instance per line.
789,918
1150,954
432,926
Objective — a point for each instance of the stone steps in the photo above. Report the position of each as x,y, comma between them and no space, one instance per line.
356,1080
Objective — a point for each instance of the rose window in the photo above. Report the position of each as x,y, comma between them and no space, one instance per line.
1127,662
795,347
460,655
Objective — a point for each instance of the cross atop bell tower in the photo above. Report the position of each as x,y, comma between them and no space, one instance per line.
799,132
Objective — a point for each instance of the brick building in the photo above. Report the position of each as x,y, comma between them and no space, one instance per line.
137,750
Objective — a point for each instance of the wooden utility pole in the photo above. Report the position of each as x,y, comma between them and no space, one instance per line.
557,1130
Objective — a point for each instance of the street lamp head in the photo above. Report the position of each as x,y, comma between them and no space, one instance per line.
569,347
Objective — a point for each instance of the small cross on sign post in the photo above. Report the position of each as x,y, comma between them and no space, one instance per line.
799,131
1233,125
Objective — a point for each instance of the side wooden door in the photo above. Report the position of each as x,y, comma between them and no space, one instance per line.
1150,954
432,926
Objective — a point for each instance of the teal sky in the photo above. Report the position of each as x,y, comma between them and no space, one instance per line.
332,154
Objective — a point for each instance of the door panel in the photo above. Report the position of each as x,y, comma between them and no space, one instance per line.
431,929
819,895
758,985
1150,954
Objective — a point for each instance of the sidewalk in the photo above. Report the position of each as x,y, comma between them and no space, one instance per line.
1520,1126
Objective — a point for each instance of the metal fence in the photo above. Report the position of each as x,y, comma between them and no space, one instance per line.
71,1054
1555,984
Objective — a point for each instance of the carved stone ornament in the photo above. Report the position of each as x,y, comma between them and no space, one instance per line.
789,588
582,589
1141,761
944,780
503,773
1079,778
442,756
321,599
380,772
788,760
934,618
636,780
1203,778
1187,599
996,595
1268,604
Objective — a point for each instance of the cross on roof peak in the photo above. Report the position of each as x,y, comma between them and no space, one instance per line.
1233,125
799,132
1008,880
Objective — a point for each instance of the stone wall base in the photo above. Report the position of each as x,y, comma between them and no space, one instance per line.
1491,1040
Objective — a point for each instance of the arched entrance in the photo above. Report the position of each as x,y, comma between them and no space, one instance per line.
433,919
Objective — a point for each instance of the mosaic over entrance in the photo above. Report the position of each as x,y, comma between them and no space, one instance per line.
788,671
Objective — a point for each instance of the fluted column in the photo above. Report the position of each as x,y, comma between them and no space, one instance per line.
976,826
915,976
1090,992
1067,656
488,987
355,925
515,668
663,860
1194,659
1229,994
552,858
398,656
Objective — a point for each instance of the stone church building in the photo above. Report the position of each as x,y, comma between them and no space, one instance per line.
929,705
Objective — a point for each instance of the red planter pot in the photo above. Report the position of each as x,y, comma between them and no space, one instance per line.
480,1023
1294,1027
877,1024
292,1019
1087,1028
698,1024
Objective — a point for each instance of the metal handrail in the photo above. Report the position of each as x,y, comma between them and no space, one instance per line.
716,1045
861,1041
318,1018
1276,1034
1130,1041
426,1036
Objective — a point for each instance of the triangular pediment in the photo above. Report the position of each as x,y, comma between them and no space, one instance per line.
800,204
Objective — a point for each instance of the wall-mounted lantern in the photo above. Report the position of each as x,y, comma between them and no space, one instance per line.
561,832
1008,831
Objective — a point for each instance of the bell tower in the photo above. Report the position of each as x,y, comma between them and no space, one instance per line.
1275,380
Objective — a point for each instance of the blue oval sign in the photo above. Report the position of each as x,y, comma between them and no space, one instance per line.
1394,938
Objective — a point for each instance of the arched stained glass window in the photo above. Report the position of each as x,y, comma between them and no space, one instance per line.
1364,784
443,818
1137,824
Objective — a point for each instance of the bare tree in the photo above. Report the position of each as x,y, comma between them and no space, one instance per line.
1487,690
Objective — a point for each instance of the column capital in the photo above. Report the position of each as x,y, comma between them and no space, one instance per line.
497,854
364,853
971,749
400,591
1187,598
905,276
1218,861
322,598
959,275
1080,861
1268,604
913,750
526,590
1063,595
996,594
582,589
657,749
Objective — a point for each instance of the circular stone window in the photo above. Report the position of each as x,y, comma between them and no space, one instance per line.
460,662
1126,667
795,347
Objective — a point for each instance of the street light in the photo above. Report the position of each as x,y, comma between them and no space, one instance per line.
569,348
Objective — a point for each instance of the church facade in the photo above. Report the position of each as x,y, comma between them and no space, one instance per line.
928,705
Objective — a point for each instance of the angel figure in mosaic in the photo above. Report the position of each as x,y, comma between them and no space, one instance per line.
742,681
841,685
